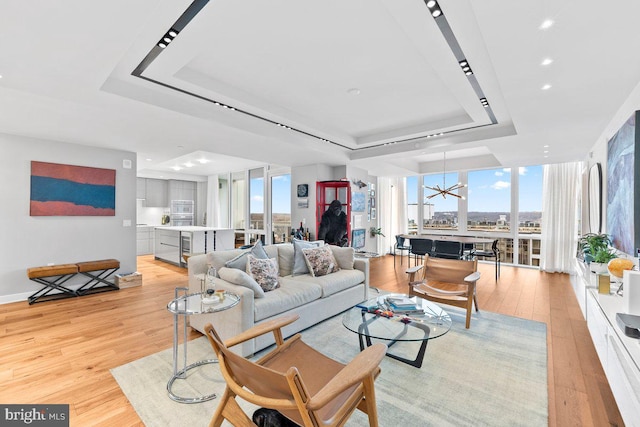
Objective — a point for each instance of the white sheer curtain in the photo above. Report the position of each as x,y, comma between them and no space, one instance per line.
392,210
561,189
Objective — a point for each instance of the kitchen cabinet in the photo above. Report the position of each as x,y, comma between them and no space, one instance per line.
145,237
156,193
182,190
174,242
141,188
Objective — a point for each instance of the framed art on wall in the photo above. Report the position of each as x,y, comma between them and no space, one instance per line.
68,190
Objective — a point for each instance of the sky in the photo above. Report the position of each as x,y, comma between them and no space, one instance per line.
488,191
281,190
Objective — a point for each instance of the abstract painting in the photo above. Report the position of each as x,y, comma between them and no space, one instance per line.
621,175
67,190
357,202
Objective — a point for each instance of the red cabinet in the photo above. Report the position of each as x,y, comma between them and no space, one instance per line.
327,192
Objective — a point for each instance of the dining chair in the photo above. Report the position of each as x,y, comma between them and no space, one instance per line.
301,383
493,253
447,249
419,248
400,246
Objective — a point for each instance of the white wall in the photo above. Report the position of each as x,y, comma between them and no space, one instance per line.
36,241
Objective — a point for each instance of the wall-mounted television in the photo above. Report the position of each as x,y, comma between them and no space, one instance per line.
358,237
623,169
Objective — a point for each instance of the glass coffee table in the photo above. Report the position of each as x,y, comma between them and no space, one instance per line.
429,322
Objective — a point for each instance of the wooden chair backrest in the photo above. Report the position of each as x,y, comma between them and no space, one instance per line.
262,381
448,270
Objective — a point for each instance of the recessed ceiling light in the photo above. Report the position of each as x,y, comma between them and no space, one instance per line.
546,87
546,24
173,33
546,146
189,164
436,13
546,61
162,45
176,168
431,3
546,151
167,39
353,91
203,161
148,160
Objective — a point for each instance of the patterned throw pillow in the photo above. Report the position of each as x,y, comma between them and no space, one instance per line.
264,271
320,261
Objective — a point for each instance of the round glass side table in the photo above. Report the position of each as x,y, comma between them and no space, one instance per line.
185,305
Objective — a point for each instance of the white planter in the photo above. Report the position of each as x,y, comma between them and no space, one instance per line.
598,267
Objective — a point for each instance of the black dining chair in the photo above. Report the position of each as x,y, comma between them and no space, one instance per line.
468,250
400,246
447,249
420,248
493,253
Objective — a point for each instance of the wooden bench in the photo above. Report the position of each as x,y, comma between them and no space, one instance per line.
53,278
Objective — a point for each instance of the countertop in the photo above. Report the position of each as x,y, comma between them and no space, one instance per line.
192,229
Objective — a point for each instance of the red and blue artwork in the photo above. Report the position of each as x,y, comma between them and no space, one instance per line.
67,190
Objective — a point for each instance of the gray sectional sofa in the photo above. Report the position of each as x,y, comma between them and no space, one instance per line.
312,298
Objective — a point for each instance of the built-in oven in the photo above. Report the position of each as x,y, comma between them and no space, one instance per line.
182,213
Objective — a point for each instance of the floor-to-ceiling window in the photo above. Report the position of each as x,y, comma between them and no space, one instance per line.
529,214
281,208
412,204
489,200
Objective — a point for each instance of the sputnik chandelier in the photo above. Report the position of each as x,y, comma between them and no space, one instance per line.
445,191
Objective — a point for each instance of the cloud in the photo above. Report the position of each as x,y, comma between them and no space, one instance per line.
498,173
501,185
258,199
522,170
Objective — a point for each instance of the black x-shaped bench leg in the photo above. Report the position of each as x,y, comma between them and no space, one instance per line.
97,282
51,284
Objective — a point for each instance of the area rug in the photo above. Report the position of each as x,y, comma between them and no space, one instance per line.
493,374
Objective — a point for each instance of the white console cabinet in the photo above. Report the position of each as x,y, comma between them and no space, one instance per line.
619,354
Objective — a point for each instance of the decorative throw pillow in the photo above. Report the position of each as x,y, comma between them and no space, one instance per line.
240,262
344,256
299,263
320,261
240,278
264,271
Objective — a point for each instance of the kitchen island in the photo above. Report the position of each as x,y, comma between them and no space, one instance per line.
172,243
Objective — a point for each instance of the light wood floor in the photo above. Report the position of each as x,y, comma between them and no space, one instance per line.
61,351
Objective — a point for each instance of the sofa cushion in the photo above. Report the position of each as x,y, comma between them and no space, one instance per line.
335,282
299,263
240,278
320,261
285,258
291,294
240,262
264,271
344,256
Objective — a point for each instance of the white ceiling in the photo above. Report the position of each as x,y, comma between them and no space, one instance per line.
359,82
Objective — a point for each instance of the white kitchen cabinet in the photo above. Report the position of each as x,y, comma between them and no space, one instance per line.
182,190
167,245
156,193
144,240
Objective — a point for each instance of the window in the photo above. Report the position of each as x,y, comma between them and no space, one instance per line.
530,200
238,196
438,212
489,200
412,204
281,208
256,201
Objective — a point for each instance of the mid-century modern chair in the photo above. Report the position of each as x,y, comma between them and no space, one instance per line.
447,281
304,385
493,253
447,249
419,248
400,246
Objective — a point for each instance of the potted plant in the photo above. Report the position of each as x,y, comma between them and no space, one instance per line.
592,243
601,260
375,231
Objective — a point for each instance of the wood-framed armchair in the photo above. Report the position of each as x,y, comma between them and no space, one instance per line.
446,281
306,386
